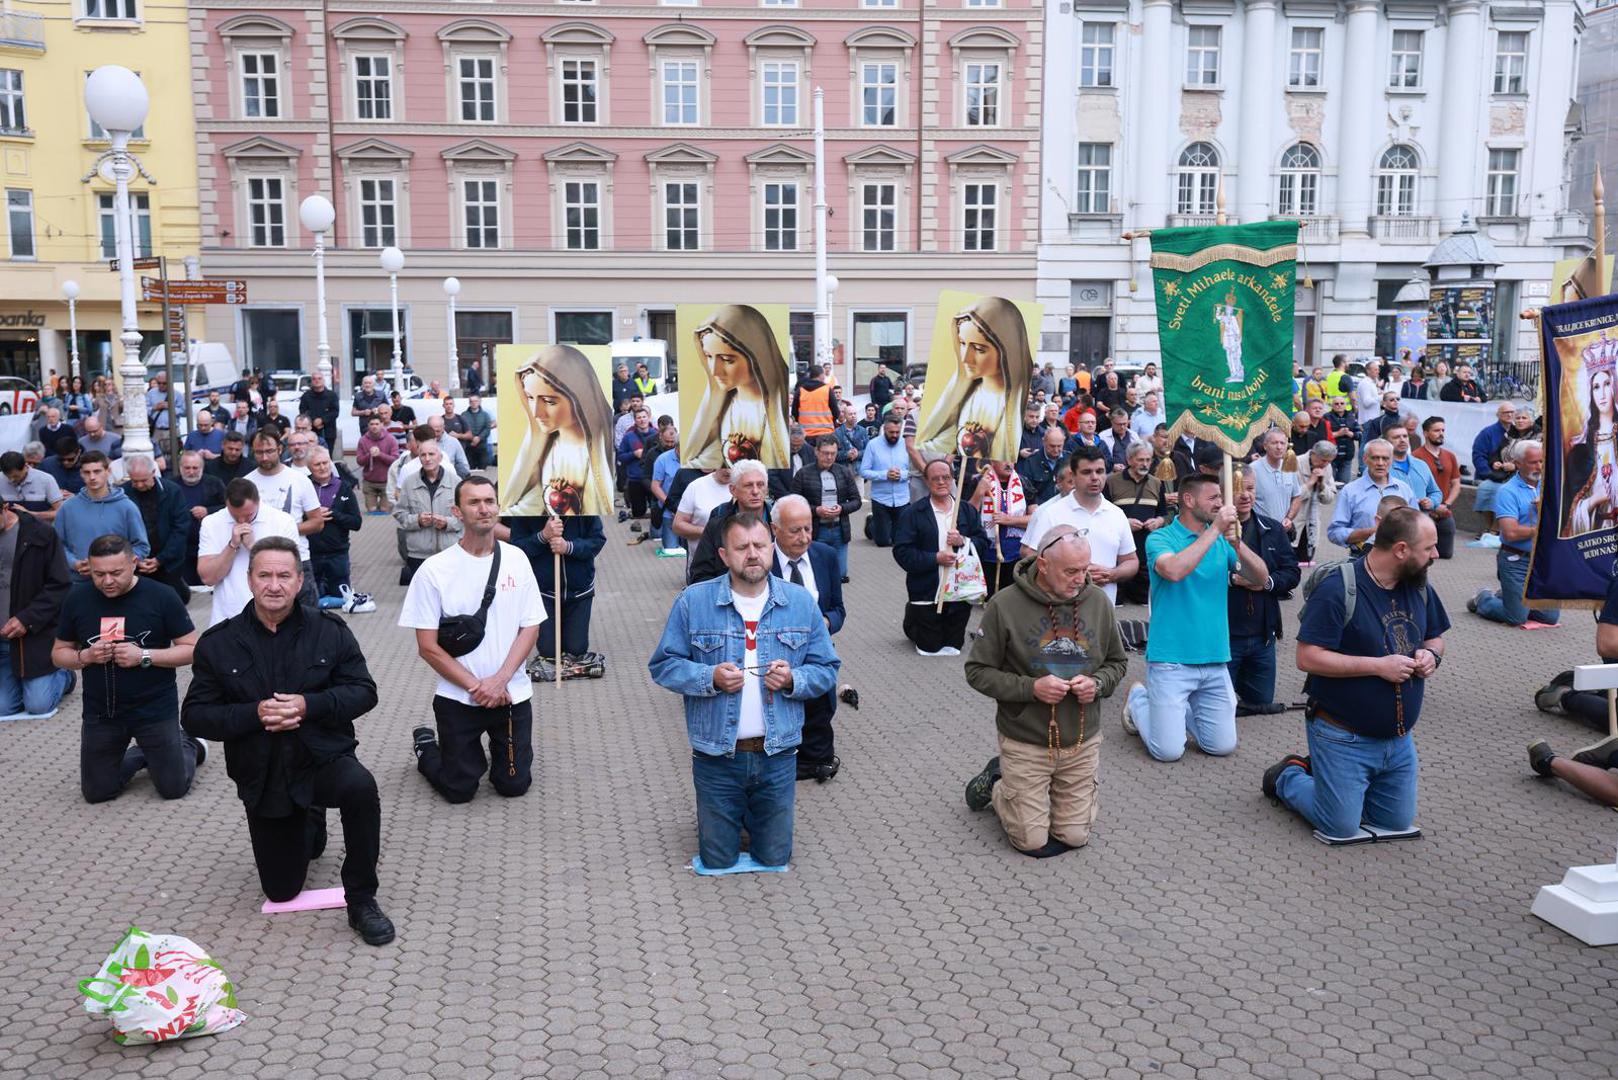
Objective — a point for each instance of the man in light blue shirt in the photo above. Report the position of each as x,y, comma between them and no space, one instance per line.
1354,521
1516,512
1410,468
886,464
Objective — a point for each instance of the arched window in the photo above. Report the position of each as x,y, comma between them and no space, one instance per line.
1199,179
1396,182
1298,189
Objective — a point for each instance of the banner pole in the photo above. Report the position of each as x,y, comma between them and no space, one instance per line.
960,492
556,576
1612,712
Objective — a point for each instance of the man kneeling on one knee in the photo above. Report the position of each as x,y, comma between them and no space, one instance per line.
1048,652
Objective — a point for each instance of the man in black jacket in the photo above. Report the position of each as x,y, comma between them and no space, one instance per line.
29,683
749,488
319,403
233,459
833,495
925,552
881,389
579,541
203,494
280,684
1255,614
328,548
162,507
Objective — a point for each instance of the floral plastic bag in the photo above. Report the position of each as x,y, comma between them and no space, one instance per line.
965,580
159,987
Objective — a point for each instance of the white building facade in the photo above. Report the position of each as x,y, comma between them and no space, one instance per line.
1379,123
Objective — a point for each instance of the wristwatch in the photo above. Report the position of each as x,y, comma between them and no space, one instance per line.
146,658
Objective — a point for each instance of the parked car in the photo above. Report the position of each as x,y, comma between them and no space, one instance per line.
17,395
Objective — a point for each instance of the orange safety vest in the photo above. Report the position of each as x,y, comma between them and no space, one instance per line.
814,410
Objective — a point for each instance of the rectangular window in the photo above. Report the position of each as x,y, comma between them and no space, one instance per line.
481,201
1501,200
878,216
13,118
1510,62
1095,54
261,85
579,92
1095,179
780,93
1202,56
20,222
982,95
1396,194
977,224
109,9
879,3
378,214
1404,67
982,3
581,206
879,95
779,3
679,92
780,217
373,87
477,89
1298,193
879,338
272,337
1304,62
139,202
584,327
681,217
266,211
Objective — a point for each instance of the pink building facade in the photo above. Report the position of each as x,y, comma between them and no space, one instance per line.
583,168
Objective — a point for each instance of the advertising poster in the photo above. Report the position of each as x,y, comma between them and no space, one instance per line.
733,384
978,373
553,404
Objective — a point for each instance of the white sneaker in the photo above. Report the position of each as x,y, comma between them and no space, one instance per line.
949,650
923,652
202,589
357,603
1129,720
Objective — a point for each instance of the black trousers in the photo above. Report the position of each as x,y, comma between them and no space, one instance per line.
283,845
575,625
638,495
1446,536
455,764
998,575
931,630
883,519
107,762
818,747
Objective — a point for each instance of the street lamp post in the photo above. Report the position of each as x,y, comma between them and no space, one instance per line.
117,101
70,291
316,214
452,288
393,260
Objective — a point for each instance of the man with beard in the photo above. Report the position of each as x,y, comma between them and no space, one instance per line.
203,495
1446,470
1368,652
1255,611
1188,690
232,461
1048,653
1516,512
886,465
745,650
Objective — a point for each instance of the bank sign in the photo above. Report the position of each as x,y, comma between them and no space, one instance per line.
29,319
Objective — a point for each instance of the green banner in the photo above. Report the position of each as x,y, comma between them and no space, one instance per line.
1224,324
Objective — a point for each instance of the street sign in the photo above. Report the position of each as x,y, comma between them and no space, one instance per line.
148,263
206,291
177,332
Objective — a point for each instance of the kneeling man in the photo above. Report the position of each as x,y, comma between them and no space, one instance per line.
280,684
1048,652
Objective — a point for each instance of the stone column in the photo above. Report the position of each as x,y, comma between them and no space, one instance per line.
1156,114
1254,153
1460,140
1362,94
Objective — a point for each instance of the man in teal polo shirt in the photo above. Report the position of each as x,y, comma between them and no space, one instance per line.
1187,687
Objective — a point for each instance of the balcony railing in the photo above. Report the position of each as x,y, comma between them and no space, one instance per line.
1409,229
22,30
1316,230
1095,227
1185,221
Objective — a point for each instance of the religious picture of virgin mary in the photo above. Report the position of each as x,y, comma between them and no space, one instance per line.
742,382
984,377
1590,473
564,465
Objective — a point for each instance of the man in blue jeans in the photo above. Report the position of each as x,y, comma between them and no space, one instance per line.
1516,513
1368,654
1255,612
745,650
1187,685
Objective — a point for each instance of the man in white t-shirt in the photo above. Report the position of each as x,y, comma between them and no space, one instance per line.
486,691
223,542
702,496
292,493
1112,545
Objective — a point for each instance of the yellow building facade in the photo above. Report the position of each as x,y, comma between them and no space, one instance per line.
54,225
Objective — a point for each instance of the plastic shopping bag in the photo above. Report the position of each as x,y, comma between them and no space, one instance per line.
159,987
965,580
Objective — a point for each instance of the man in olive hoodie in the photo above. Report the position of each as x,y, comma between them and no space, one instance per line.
1048,652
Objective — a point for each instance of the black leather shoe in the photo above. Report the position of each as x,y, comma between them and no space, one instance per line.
1273,773
374,927
828,770
1540,756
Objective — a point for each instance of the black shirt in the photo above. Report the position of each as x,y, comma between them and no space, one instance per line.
152,617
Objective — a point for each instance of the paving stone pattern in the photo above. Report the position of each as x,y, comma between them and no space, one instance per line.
1203,933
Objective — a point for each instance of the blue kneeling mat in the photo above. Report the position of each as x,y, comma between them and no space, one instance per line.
745,864
1369,834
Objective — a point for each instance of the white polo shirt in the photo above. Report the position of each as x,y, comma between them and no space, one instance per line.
1106,528
232,592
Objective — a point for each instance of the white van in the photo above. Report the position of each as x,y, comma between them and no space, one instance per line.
206,366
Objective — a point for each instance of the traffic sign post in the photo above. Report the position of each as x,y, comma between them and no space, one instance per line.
148,263
206,291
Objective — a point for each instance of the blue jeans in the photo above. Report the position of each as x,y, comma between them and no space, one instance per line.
35,696
1352,779
751,790
1506,604
1185,697
667,538
1483,501
1252,669
832,537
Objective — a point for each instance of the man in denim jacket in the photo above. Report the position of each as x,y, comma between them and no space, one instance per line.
746,651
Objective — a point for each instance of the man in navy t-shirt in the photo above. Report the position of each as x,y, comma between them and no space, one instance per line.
1366,674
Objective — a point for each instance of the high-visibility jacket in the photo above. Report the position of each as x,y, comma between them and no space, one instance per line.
647,387
814,410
